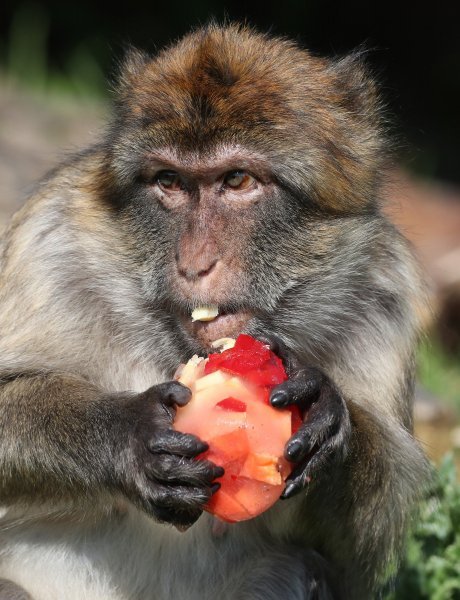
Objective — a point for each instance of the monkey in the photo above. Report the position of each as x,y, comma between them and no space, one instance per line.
238,171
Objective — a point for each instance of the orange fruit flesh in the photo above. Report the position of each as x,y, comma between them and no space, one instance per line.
246,436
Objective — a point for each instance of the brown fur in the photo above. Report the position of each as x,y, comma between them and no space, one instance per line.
266,93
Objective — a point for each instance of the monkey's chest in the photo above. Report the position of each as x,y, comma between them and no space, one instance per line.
119,558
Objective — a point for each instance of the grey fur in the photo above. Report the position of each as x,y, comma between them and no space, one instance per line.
11,591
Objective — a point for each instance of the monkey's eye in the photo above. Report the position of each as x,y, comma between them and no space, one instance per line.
169,181
239,180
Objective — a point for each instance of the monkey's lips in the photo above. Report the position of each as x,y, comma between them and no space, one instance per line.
224,325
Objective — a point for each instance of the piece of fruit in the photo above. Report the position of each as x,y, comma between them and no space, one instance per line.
230,410
205,313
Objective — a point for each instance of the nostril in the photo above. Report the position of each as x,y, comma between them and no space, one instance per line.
196,272
207,271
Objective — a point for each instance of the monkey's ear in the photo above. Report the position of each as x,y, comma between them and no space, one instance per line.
130,67
357,87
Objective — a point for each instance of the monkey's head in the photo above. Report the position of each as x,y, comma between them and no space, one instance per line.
233,157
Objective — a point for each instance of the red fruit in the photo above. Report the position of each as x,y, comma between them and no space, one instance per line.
246,435
232,404
250,358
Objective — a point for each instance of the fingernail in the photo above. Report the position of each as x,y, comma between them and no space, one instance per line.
293,450
181,395
218,471
202,447
289,491
279,399
215,487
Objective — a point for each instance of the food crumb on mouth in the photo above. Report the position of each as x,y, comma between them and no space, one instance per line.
205,313
224,343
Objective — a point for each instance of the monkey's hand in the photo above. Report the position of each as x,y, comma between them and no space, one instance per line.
324,436
158,471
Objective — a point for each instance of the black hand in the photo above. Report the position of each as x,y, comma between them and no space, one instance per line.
323,438
160,473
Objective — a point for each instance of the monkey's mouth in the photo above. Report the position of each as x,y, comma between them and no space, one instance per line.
226,324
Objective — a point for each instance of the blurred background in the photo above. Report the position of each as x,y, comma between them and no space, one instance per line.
56,66
57,62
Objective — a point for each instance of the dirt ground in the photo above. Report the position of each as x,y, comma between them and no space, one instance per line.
37,131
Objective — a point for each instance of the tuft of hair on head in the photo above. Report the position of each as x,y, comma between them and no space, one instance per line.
317,120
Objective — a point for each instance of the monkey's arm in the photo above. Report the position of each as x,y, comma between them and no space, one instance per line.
362,471
62,438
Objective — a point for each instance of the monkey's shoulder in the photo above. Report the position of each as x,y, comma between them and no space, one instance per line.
66,193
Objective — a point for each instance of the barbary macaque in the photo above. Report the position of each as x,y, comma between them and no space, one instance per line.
239,174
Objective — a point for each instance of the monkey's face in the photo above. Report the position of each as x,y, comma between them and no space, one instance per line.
212,229
231,155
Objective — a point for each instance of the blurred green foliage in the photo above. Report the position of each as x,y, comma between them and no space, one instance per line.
26,52
26,57
439,372
431,567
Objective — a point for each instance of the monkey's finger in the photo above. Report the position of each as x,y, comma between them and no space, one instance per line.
293,487
304,473
181,498
277,346
172,393
174,470
328,418
159,503
306,440
182,520
295,484
274,342
303,389
169,441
